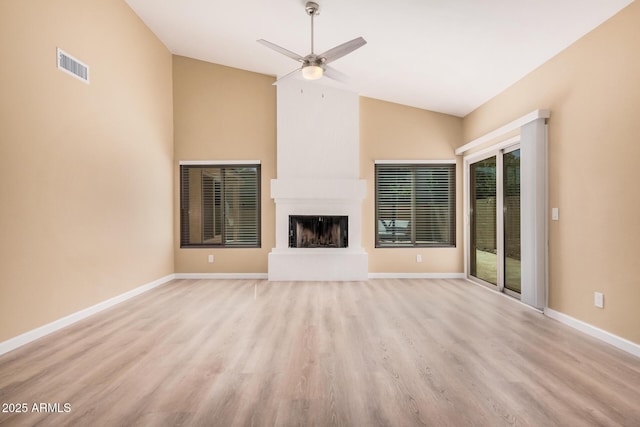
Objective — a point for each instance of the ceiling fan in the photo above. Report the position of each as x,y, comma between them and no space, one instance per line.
314,66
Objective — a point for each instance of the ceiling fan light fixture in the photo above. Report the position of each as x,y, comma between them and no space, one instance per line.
312,72
315,66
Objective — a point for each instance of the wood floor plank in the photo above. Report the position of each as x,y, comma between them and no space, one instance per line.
407,352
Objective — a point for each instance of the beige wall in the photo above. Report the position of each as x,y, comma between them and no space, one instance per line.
593,91
88,173
85,170
223,113
396,132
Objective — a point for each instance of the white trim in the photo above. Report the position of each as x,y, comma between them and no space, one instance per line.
256,276
546,223
602,335
509,127
415,162
27,337
34,334
466,218
416,275
500,243
468,160
486,152
217,162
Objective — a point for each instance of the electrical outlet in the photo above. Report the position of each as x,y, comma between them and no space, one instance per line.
210,259
598,299
419,258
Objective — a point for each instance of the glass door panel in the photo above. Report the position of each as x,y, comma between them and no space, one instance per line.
483,251
511,183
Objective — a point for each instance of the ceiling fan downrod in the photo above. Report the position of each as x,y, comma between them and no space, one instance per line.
312,9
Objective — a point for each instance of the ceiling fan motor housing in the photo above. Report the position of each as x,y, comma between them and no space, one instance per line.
312,8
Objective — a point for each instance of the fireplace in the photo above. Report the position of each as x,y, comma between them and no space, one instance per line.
307,231
318,193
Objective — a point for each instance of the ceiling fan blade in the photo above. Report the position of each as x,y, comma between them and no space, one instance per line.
336,75
281,50
286,76
343,49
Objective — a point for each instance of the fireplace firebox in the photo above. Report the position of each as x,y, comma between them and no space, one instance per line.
308,231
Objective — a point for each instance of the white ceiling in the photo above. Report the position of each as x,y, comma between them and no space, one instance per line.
448,56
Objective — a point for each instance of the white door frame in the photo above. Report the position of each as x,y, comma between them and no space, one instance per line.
496,150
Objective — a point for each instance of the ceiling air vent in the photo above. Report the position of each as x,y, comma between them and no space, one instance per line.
72,66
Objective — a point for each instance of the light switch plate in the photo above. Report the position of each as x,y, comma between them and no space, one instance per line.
554,214
598,299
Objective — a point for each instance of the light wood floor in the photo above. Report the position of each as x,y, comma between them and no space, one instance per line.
381,352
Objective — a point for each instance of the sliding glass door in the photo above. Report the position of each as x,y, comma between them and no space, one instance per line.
483,205
494,219
511,208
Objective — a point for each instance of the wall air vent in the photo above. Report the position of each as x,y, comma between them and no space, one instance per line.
72,66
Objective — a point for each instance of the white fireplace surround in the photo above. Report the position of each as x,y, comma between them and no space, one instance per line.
318,197
318,174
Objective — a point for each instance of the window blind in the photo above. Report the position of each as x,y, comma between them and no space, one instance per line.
220,206
415,205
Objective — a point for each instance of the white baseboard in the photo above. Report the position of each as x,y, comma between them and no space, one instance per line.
602,335
256,276
416,275
260,276
27,337
34,334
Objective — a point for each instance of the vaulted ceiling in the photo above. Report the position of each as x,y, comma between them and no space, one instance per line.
449,56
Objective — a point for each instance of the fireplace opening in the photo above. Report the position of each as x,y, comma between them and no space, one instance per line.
306,231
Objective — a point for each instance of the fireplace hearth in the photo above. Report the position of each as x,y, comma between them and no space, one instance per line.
309,231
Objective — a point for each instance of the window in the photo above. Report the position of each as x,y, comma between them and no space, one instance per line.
415,205
220,205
